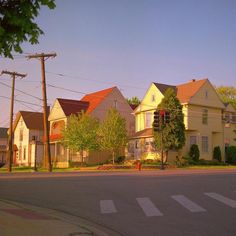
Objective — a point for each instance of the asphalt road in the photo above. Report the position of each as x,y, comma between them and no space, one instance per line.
137,203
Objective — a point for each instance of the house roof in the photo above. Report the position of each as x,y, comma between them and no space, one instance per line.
133,106
94,99
188,90
70,106
33,120
184,91
3,132
164,87
143,134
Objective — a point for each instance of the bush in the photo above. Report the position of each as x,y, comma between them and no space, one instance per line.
217,154
231,154
194,152
119,159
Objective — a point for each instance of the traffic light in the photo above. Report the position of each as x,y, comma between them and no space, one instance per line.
167,117
156,122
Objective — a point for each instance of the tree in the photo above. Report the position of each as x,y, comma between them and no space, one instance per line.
81,133
113,133
173,135
194,152
133,101
227,94
217,153
17,23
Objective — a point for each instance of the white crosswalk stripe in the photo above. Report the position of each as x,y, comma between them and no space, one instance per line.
221,198
107,207
188,204
148,207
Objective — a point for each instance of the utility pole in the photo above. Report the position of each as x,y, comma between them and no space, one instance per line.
47,151
14,75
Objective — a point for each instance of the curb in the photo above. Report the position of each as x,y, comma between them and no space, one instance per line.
85,227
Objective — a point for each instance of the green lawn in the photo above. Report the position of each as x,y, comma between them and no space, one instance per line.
94,168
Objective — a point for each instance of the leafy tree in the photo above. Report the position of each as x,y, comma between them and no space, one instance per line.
227,94
81,133
17,23
133,101
113,133
173,136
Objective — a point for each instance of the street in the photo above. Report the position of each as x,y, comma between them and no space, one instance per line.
135,203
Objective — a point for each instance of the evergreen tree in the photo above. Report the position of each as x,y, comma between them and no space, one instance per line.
80,133
173,135
133,101
113,133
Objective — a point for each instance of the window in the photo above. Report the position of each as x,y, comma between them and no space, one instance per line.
148,120
153,98
204,144
115,104
21,135
205,116
206,94
24,153
192,140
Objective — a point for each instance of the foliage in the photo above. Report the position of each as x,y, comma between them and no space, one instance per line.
194,152
17,23
227,94
231,154
217,153
112,132
81,133
173,132
134,101
120,159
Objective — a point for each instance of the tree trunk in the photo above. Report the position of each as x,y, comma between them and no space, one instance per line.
82,157
113,157
166,157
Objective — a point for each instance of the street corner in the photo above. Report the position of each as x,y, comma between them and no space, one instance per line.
17,219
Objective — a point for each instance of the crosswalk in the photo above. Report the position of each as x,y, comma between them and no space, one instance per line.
150,209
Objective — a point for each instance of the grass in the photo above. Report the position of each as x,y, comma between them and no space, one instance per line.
94,168
209,167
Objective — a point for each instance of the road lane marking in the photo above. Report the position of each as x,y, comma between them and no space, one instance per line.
107,207
227,201
188,204
148,207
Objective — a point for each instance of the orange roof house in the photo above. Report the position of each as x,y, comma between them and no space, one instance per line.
202,109
95,104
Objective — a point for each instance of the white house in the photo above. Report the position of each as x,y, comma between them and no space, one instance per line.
28,135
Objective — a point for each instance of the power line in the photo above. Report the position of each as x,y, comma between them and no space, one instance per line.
23,92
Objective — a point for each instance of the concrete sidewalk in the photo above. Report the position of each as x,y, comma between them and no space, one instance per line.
23,219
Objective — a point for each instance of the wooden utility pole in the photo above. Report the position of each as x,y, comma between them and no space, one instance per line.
14,75
47,151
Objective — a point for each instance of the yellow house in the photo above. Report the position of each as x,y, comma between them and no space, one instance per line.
208,121
95,104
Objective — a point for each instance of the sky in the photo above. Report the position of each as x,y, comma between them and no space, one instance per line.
124,43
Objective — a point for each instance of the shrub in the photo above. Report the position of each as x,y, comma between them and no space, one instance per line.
231,154
194,152
119,159
217,153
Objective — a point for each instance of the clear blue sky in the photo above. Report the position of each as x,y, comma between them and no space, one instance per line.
127,43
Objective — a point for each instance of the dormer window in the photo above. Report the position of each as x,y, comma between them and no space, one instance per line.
115,104
153,98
